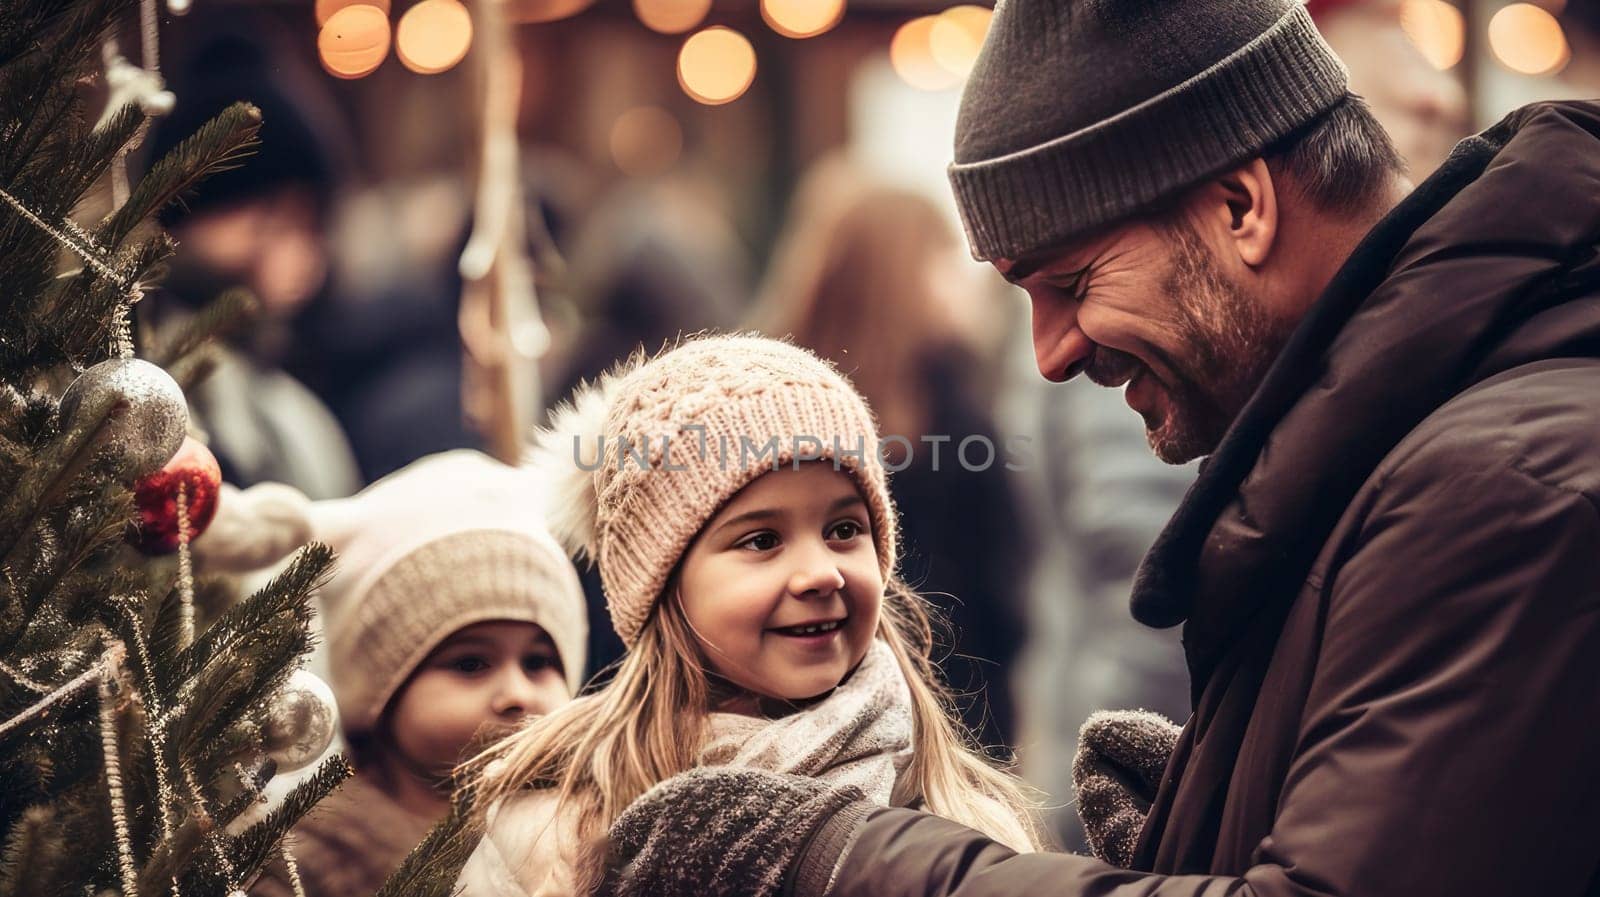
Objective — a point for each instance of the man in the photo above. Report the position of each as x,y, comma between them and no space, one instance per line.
1389,569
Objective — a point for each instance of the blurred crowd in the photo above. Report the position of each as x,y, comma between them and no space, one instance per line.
352,367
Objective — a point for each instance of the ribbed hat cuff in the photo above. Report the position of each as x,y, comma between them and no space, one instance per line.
1035,198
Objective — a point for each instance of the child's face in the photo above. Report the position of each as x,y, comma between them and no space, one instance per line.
792,549
488,674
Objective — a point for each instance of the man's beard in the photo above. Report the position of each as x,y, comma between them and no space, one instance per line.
1229,340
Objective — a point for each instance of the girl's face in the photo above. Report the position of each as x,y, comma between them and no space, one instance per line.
782,586
491,674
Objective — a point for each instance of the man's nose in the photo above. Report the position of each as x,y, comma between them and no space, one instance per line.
1059,345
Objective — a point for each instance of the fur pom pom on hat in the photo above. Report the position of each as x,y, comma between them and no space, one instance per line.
638,461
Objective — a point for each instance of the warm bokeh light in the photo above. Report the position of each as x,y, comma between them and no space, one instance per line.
530,12
716,65
957,35
1529,40
354,41
801,18
1437,29
645,140
911,55
326,8
671,16
433,36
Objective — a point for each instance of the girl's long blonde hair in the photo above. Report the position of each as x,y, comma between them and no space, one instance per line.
647,724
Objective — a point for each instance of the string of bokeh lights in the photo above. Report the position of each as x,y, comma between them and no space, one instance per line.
716,64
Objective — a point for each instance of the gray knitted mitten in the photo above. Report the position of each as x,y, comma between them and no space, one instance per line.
714,831
1122,755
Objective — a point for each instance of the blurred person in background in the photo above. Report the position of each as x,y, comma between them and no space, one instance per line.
1100,499
382,349
385,349
262,226
1580,20
873,278
1424,110
654,259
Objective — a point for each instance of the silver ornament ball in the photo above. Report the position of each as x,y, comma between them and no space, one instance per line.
149,432
299,722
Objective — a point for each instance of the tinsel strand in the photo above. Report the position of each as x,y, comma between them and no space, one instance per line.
294,868
119,810
86,251
23,679
185,567
164,792
73,686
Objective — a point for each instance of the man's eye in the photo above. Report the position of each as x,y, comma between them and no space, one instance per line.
761,542
469,664
1075,290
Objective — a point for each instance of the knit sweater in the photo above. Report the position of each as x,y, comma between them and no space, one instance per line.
860,735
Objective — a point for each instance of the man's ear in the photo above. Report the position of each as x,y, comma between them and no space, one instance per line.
1243,205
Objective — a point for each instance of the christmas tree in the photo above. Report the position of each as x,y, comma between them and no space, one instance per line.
134,739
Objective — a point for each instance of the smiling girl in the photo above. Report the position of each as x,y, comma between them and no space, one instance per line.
731,493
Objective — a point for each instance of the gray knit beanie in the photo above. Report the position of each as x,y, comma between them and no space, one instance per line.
1080,113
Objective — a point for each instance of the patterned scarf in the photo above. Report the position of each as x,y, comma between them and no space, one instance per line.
860,734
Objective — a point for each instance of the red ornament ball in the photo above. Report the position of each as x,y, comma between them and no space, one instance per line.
195,470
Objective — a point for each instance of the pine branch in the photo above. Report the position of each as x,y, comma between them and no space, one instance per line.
49,49
220,144
167,633
54,469
227,687
29,27
289,591
26,845
83,312
83,535
432,868
251,793
174,853
228,311
99,147
253,848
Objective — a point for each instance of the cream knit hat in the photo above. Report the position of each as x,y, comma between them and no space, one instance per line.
448,541
641,459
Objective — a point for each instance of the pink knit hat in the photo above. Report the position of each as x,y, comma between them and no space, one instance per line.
641,459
